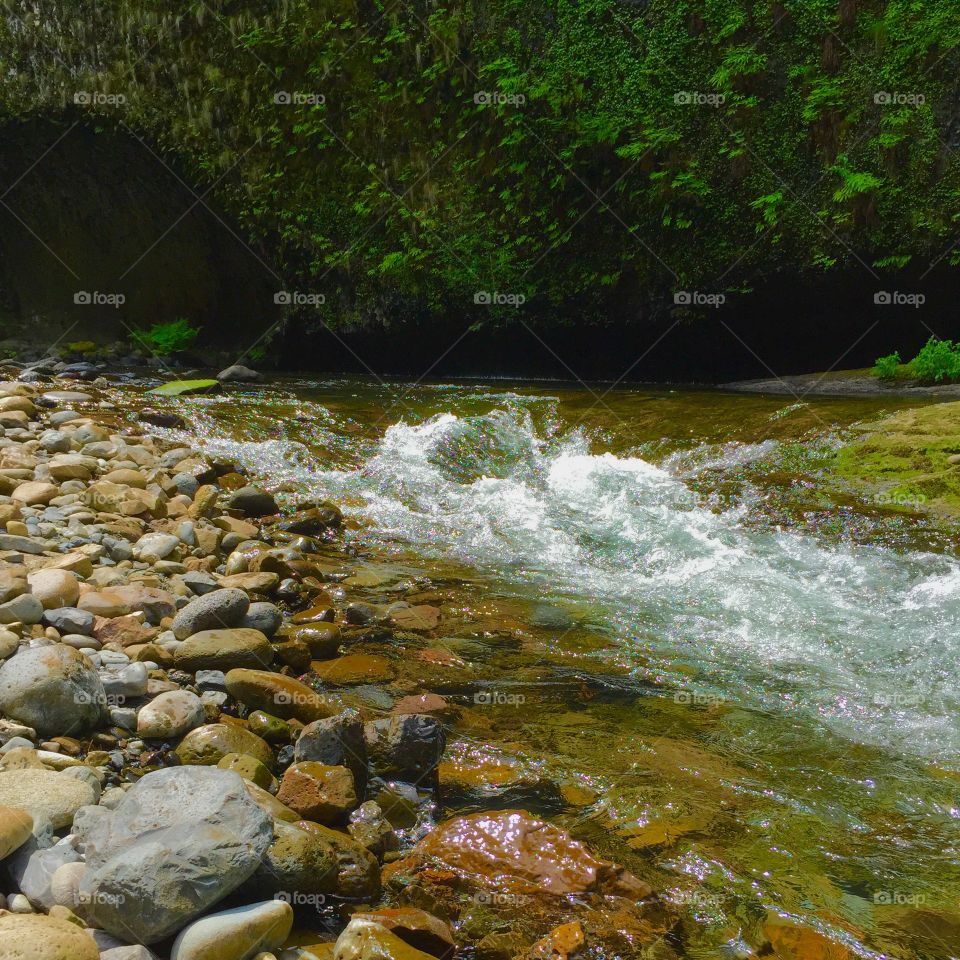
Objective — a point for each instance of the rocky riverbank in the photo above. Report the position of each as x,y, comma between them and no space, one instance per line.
188,767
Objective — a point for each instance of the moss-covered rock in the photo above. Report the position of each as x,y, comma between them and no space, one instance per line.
907,461
187,388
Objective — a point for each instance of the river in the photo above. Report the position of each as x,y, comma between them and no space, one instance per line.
691,649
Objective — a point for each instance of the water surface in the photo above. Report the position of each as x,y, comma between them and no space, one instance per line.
725,672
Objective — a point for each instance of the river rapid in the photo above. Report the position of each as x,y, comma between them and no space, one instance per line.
672,635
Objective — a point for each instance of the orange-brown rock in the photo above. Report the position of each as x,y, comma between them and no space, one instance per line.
318,792
355,668
519,852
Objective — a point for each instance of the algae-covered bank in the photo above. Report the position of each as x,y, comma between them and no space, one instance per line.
910,459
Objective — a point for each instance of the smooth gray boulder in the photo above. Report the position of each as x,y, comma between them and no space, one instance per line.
178,842
54,689
69,620
218,609
263,616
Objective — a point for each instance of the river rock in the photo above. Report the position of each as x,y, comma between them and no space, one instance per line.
23,609
238,373
152,547
9,644
16,827
45,794
250,769
218,609
365,939
21,544
263,616
54,588
404,746
54,689
223,650
317,861
187,388
521,854
33,867
281,696
69,620
321,639
314,521
209,744
336,741
169,715
252,502
35,492
179,841
318,792
235,934
37,937
371,829
354,669
154,603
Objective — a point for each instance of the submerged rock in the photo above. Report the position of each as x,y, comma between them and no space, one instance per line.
238,373
186,388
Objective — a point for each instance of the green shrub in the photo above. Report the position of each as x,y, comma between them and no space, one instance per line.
887,368
938,360
166,338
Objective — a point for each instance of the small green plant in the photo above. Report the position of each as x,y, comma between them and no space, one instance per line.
937,361
166,338
887,368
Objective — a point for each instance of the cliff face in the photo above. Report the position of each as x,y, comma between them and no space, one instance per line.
502,161
98,237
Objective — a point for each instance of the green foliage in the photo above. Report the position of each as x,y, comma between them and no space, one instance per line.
937,361
887,368
579,152
163,339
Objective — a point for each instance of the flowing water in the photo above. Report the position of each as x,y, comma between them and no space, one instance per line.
732,676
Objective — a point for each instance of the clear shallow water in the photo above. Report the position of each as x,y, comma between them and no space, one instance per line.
769,723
